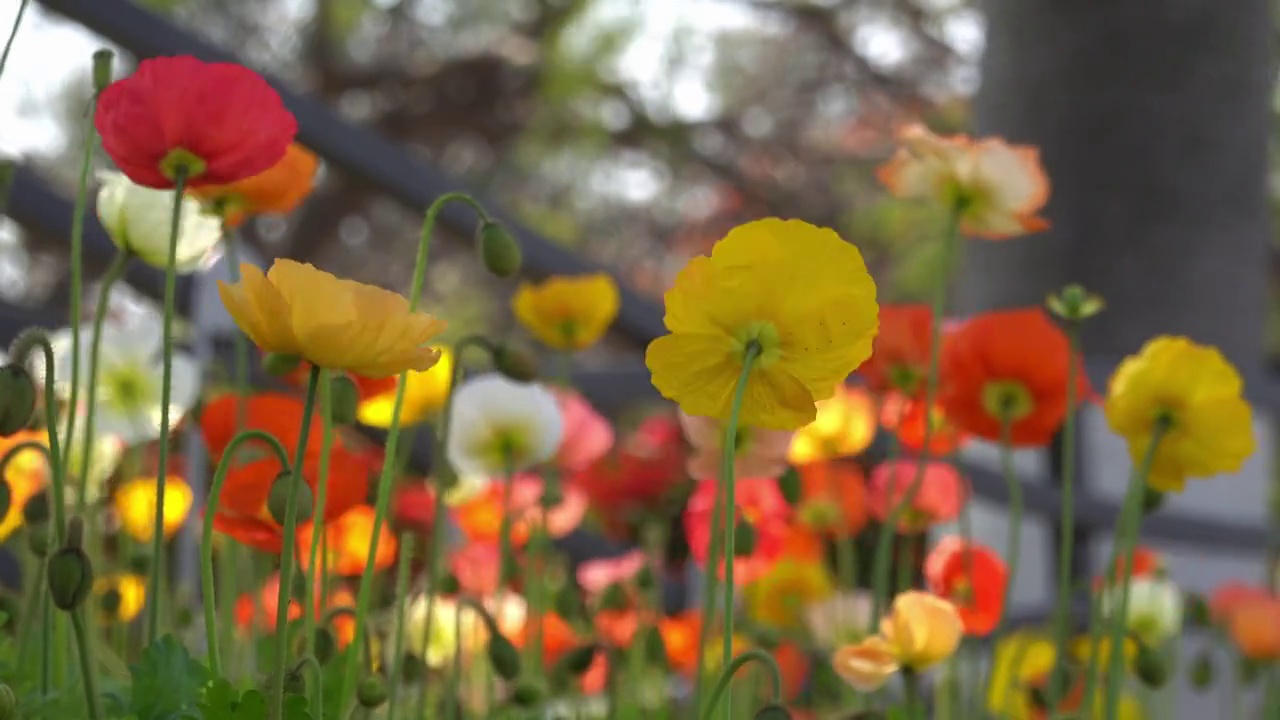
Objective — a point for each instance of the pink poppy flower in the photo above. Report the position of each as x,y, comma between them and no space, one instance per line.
588,436
477,566
596,575
939,498
760,453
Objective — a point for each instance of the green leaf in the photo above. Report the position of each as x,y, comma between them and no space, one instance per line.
167,681
295,708
253,706
219,702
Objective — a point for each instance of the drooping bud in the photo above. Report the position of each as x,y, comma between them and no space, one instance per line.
789,485
279,364
503,657
17,398
278,499
515,362
70,575
40,539
1202,671
295,683
102,69
772,711
527,694
499,252
578,660
1150,667
372,691
744,539
344,399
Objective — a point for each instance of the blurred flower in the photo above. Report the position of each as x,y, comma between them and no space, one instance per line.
844,617
907,420
1197,392
899,360
277,414
454,628
120,597
920,631
971,576
757,453
833,498
568,313
680,636
794,666
1008,364
616,627
108,450
413,507
478,568
759,503
135,503
137,220
1154,611
348,543
1145,562
425,393
1254,626
277,190
26,475
996,188
480,516
594,576
639,475
778,599
180,111
844,427
1022,659
1229,596
868,665
295,309
938,499
500,426
558,636
258,611
587,435
798,292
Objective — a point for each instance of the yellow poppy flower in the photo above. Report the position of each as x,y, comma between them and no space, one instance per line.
798,292
779,599
424,394
568,313
845,426
135,503
295,309
26,475
120,597
921,630
1197,392
1022,660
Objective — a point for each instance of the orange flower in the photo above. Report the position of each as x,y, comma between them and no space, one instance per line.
1010,364
277,414
793,663
833,498
680,635
899,360
938,498
760,504
1232,595
1254,626
348,543
277,190
997,188
906,419
1146,561
973,577
845,426
616,627
478,568
26,474
558,636
480,516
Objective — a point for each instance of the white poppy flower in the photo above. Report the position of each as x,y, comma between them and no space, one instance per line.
845,617
1155,608
500,426
138,219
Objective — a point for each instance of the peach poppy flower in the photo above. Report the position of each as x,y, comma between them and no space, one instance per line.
587,435
478,568
833,498
616,627
906,418
680,636
973,577
759,503
594,576
845,425
1010,363
759,453
1254,626
480,516
996,187
899,359
1229,596
350,536
278,190
938,498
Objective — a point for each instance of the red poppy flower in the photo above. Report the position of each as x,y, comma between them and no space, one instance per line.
971,576
757,502
1230,596
680,636
220,122
414,507
639,475
1146,561
1011,363
938,498
833,498
900,358
558,636
277,414
906,418
616,627
794,665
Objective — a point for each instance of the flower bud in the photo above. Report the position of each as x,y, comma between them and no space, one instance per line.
527,694
1202,671
645,579
40,539
655,648
578,660
102,69
448,584
411,668
295,683
279,364
1074,303
789,485
1150,667
324,645
499,252
17,398
567,603
552,494
1198,614
772,711
36,510
503,656
8,703
744,539
344,398
278,499
372,691
70,577
515,362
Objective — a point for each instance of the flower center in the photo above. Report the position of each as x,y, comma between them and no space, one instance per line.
1007,400
506,447
184,161
819,514
128,388
764,334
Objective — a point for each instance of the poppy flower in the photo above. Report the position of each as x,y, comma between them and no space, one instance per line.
1008,366
778,599
757,453
135,505
595,576
938,498
844,427
1254,627
501,426
424,394
680,636
833,498
1145,562
841,618
137,220
920,631
456,628
558,636
1198,394
278,189
794,666
296,309
277,414
797,293
349,537
215,122
586,436
1155,609
760,504
616,627
996,188
639,475
1231,595
568,312
899,359
26,474
480,516
478,568
256,612
120,598
971,576
413,507
906,418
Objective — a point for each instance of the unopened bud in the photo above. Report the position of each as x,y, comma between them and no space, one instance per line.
1074,303
789,485
17,398
773,711
503,657
645,579
527,694
1150,667
36,509
1198,613
278,499
295,683
40,539
102,69
515,362
1202,671
344,400
70,578
552,495
578,660
744,539
372,691
655,648
448,584
567,603
279,364
499,252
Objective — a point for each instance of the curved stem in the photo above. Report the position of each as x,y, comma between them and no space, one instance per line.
19,353
1066,541
732,667
17,21
290,532
86,665
311,661
402,587
166,392
109,278
206,539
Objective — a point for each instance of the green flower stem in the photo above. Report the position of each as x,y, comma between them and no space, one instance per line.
114,272
318,529
710,580
17,21
206,540
402,588
287,559
19,353
1014,547
732,667
166,391
911,690
310,661
533,587
1062,608
35,597
726,476
46,647
86,665
383,501
1126,538
885,539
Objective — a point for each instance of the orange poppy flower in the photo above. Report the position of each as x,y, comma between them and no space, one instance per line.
350,536
558,636
833,498
971,576
794,664
899,359
1011,363
759,503
414,507
277,190
801,543
616,627
906,418
938,498
480,516
277,414
596,678
680,636
256,612
1232,595
1254,626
